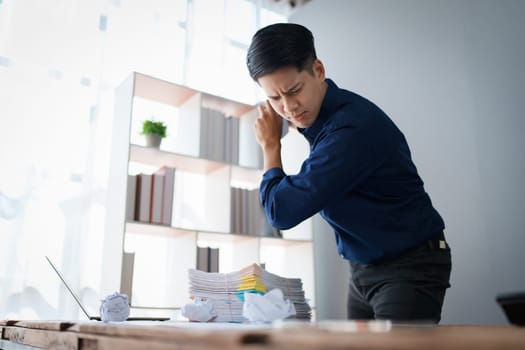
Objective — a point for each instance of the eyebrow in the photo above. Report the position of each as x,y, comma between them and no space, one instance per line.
292,88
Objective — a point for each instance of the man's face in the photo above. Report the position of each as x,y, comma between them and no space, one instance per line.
296,96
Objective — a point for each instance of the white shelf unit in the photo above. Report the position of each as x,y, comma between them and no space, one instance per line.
157,275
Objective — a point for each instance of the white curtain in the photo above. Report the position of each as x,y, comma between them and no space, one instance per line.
60,62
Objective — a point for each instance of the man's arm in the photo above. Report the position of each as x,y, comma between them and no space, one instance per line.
268,134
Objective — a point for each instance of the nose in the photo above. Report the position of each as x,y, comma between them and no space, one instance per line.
289,105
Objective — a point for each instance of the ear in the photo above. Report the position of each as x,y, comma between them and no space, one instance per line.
318,69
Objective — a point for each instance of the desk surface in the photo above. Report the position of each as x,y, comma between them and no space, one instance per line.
95,335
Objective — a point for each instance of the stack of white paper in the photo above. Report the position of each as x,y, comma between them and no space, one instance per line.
226,290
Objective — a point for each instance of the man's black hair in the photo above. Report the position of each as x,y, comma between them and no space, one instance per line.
280,45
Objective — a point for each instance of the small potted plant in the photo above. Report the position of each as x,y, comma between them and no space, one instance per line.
154,132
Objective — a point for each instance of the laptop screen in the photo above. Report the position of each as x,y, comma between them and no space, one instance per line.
84,310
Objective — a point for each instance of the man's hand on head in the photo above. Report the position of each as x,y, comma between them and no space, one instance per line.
268,126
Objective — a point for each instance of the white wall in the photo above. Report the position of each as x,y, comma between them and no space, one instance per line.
451,74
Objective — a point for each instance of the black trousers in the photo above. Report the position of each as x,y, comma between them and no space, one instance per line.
406,289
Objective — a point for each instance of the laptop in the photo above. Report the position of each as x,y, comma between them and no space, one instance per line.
84,310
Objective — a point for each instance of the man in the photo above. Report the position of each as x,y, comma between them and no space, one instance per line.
359,176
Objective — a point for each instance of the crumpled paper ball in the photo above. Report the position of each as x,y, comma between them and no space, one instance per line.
199,311
114,308
268,307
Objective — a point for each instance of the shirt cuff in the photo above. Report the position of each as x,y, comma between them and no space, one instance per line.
273,172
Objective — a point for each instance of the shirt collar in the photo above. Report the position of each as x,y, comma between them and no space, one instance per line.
328,106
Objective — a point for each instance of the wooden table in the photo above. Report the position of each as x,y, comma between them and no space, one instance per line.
93,335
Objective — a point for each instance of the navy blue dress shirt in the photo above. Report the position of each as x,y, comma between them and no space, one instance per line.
360,177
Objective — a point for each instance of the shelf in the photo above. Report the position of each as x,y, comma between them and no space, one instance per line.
146,229
240,176
173,94
156,157
161,91
283,242
246,177
140,228
228,107
208,198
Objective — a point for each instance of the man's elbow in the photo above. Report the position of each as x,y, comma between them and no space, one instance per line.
282,222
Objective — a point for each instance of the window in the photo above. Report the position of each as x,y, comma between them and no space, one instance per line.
60,62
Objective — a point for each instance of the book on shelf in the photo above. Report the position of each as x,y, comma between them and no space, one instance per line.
255,212
153,202
163,185
202,259
150,197
204,134
157,197
230,140
169,187
213,259
143,208
235,208
131,191
208,133
207,259
247,214
261,225
219,136
227,145
126,282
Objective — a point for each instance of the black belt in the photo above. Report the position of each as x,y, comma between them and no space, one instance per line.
435,243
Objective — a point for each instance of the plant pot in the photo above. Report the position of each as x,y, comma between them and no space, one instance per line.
153,140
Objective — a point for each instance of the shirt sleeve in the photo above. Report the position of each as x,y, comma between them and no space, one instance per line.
340,159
